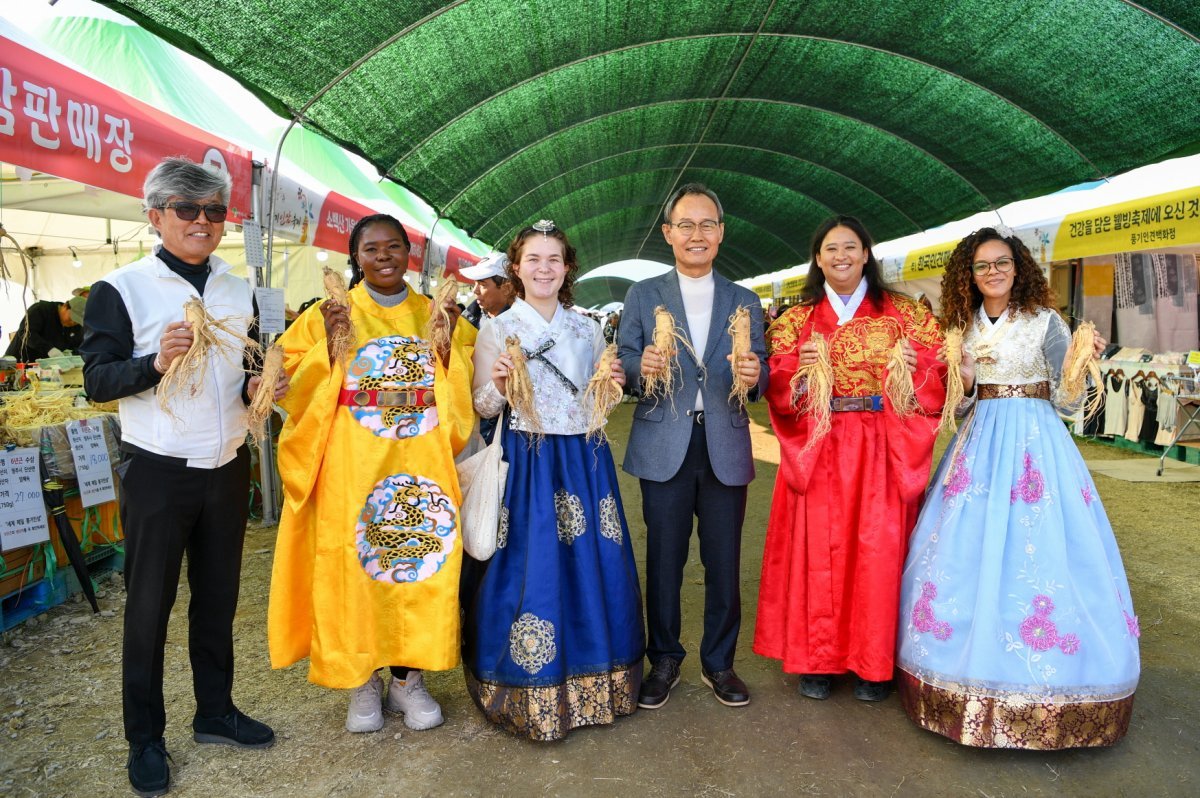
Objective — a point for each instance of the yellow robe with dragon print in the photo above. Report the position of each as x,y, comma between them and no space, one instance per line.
368,556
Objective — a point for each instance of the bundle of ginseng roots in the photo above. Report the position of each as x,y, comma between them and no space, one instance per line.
518,389
739,345
812,391
1078,365
211,337
335,290
438,329
952,351
602,394
667,339
259,410
898,385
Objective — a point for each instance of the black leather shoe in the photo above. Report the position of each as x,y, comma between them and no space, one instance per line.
727,687
235,728
816,686
656,688
149,773
872,691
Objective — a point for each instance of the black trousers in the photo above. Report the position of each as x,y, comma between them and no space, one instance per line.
167,510
668,508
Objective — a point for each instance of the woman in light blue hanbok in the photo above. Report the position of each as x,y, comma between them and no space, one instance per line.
554,635
1017,629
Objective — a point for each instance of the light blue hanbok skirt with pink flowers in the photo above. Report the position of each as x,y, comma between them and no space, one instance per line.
1016,629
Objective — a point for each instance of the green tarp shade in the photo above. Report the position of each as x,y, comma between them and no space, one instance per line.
905,113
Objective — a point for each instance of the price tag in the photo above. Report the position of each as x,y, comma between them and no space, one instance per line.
270,310
22,511
92,466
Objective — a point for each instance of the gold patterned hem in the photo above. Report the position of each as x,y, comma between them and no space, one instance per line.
1032,390
988,722
551,712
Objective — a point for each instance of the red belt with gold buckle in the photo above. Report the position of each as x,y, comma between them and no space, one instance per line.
415,397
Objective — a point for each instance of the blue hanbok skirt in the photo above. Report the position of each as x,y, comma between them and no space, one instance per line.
554,637
1016,629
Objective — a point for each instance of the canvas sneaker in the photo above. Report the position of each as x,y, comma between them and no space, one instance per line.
410,699
365,713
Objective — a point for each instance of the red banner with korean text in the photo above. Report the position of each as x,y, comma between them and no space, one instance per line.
459,259
337,218
61,122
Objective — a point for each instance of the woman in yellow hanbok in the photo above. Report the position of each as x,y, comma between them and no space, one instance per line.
368,557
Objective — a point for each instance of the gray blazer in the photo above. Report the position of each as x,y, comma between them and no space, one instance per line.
662,427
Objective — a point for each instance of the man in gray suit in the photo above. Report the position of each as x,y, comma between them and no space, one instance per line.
691,448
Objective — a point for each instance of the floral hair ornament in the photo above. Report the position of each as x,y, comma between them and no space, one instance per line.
544,226
1004,230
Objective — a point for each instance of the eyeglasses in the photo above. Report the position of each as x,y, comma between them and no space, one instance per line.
190,211
1003,265
707,227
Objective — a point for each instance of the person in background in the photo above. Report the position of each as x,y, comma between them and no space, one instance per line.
845,501
1017,626
48,329
367,562
493,290
185,470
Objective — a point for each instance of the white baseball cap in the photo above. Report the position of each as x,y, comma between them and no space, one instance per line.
491,266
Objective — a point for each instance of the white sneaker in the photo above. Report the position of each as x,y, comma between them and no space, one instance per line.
365,714
410,699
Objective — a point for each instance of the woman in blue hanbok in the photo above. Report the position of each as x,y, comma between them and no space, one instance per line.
554,637
1016,629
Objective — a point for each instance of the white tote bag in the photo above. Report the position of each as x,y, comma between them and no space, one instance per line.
482,478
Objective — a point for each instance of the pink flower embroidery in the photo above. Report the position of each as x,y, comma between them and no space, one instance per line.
960,477
922,614
1088,496
1131,623
1069,644
1042,604
1030,485
1039,633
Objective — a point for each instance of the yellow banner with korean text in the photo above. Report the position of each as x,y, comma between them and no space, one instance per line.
1164,220
927,261
764,290
792,286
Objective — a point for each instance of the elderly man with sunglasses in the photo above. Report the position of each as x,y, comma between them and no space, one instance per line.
185,467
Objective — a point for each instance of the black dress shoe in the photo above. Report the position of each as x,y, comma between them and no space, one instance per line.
872,691
235,728
727,687
149,773
656,688
815,686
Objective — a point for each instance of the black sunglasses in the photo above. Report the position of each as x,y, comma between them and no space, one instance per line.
190,211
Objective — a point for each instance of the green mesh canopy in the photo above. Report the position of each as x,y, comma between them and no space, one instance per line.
905,113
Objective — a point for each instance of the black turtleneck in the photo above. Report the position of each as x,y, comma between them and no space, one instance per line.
196,275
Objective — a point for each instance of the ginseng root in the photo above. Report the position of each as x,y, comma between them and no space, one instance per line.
335,289
953,352
739,334
519,387
602,394
260,407
667,338
1078,365
812,391
211,337
899,383
437,329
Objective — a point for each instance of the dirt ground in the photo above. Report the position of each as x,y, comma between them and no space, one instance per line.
60,713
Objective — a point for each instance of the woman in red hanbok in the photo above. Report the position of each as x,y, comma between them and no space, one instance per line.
845,505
